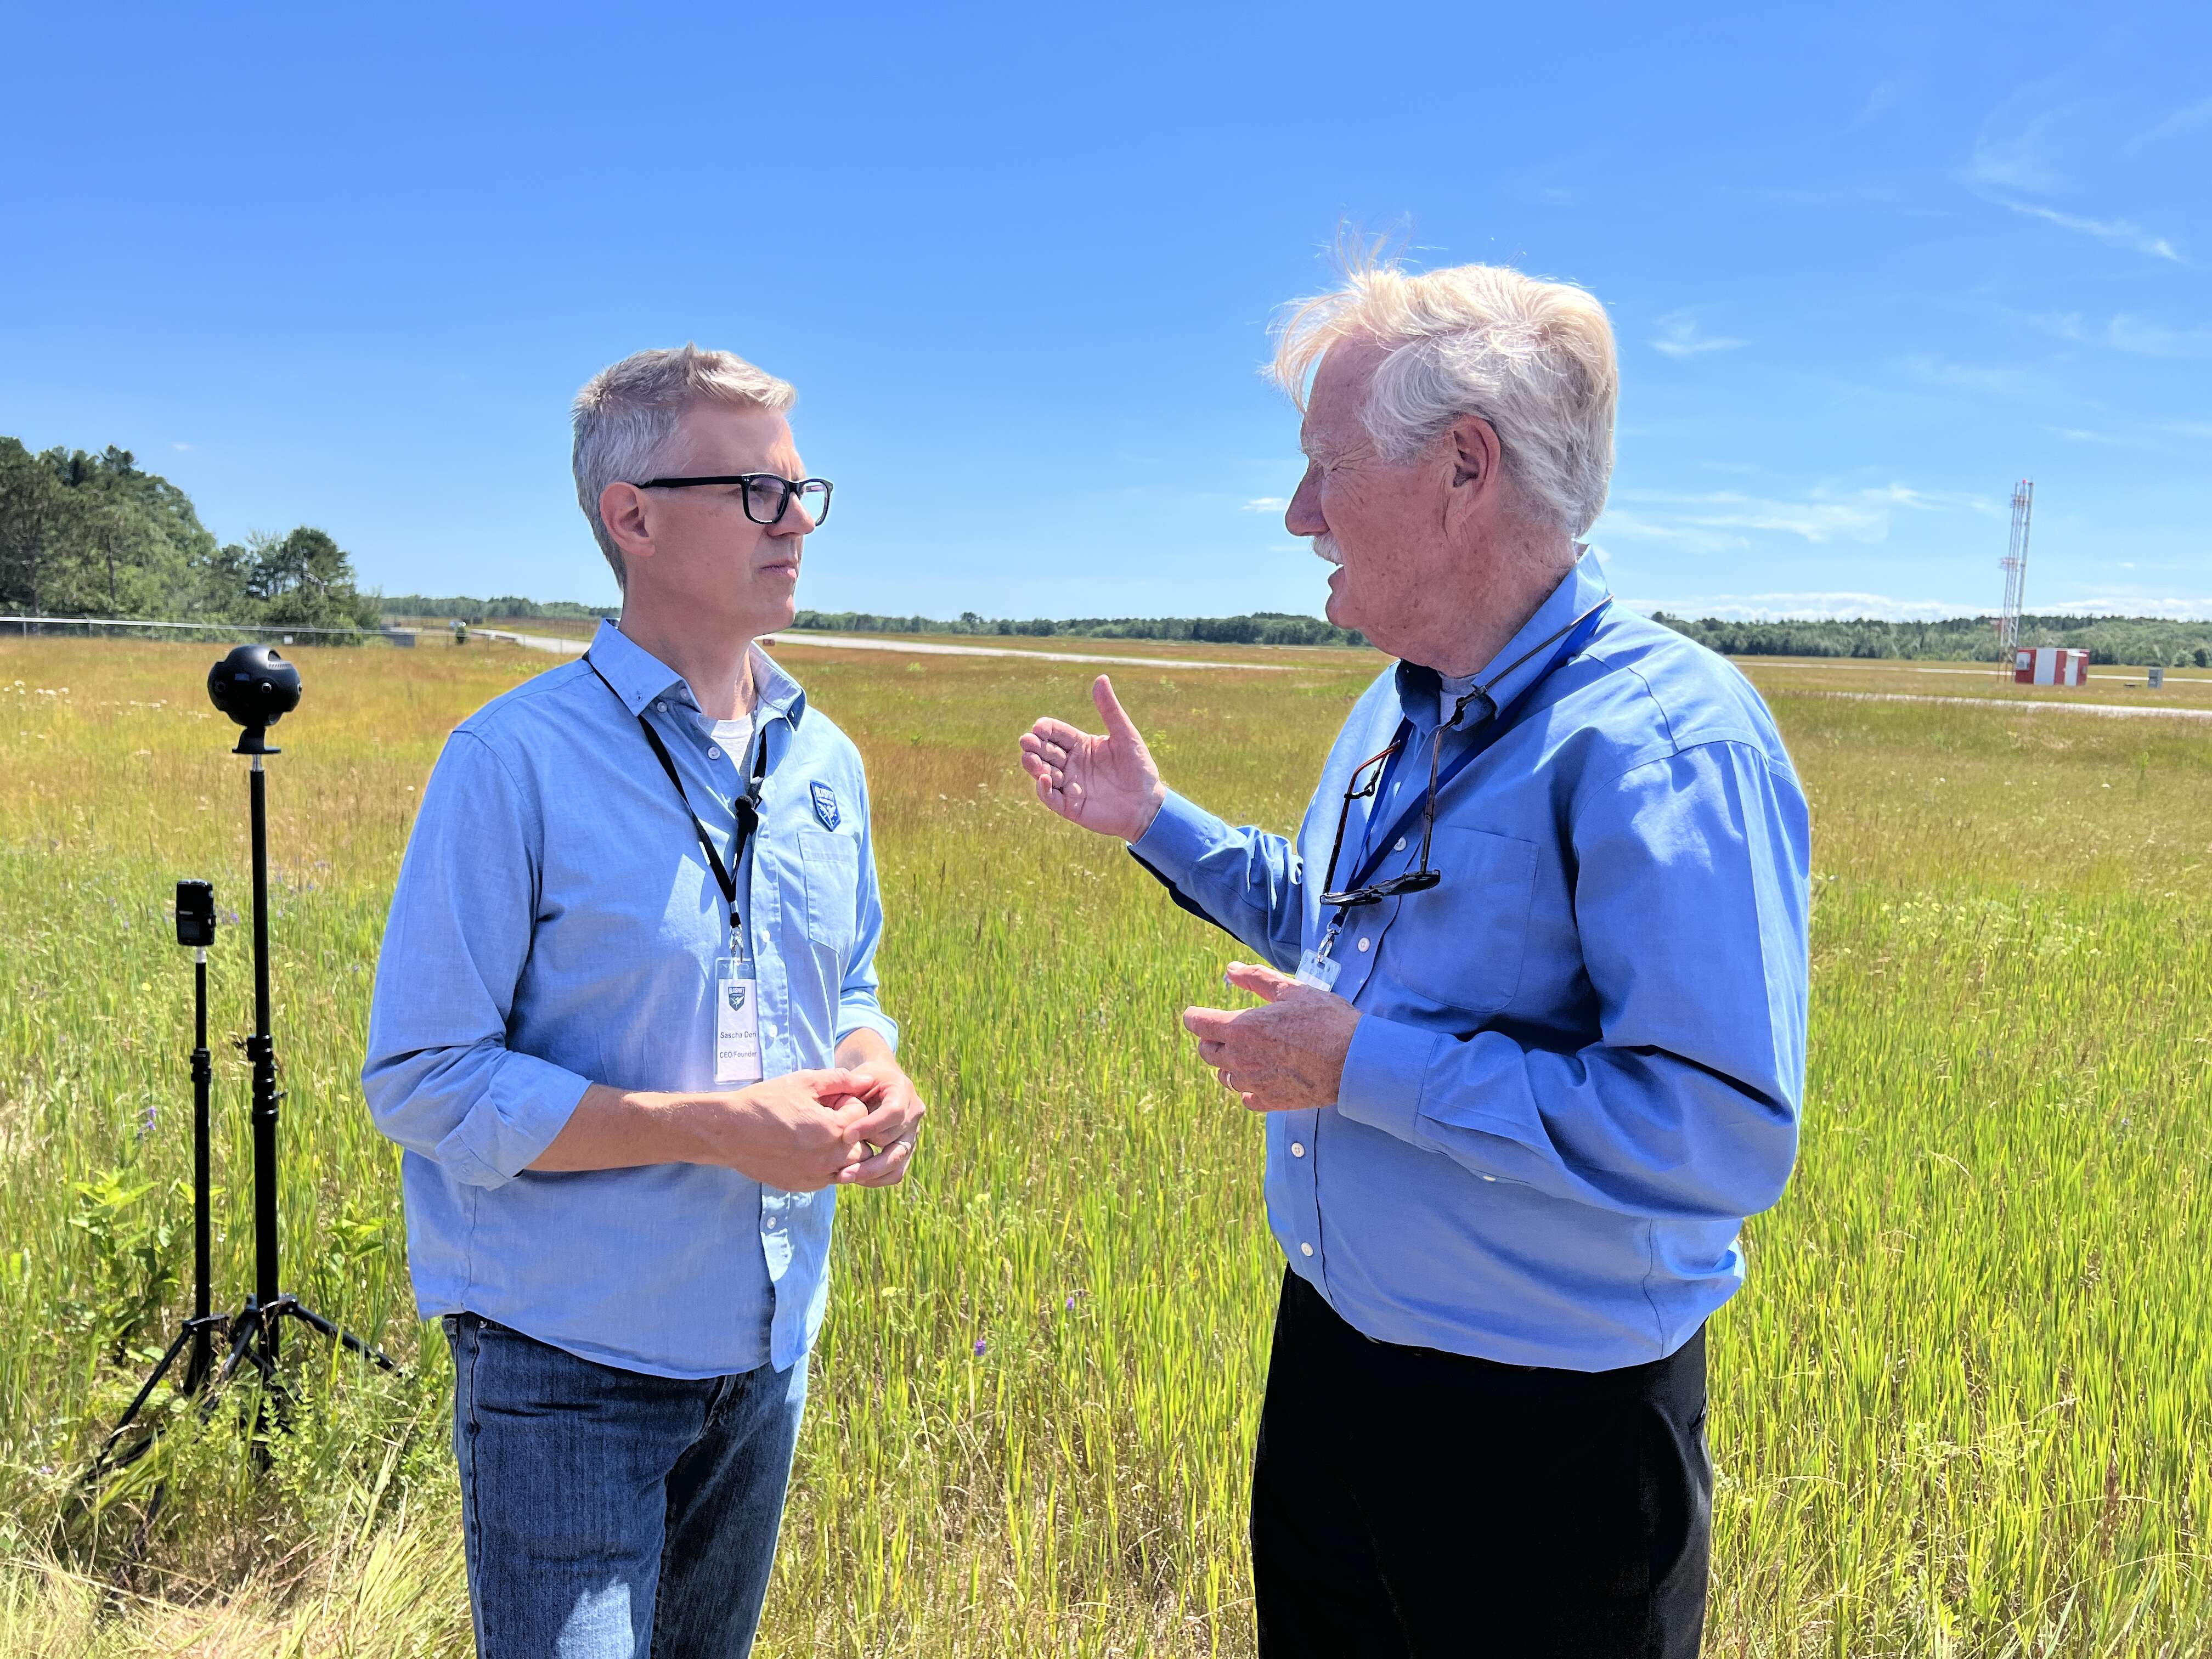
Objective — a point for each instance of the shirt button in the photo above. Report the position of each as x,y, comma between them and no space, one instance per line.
662,706
1305,1249
1490,1177
1401,846
712,753
1297,1149
1363,945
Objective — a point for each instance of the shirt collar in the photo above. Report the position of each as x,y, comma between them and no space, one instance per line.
1582,587
639,678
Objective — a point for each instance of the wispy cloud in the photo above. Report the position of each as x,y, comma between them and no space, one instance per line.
1720,521
1806,607
2144,337
2187,119
1896,195
2173,606
2120,232
1888,92
2058,325
2011,384
1267,504
1544,187
2139,435
1679,337
179,445
2149,338
2013,148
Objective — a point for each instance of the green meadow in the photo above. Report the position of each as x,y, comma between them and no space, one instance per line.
1964,1405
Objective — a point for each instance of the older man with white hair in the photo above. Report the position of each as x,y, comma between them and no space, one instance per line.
626,1029
1544,1047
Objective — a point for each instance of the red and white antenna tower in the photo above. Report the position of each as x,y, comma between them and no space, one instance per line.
2015,573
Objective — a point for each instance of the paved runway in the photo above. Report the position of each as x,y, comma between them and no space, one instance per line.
927,648
2011,706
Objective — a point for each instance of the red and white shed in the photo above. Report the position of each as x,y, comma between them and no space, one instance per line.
2048,664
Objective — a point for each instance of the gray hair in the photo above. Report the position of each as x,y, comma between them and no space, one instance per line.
626,417
1534,359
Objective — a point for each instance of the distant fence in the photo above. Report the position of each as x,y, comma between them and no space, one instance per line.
114,627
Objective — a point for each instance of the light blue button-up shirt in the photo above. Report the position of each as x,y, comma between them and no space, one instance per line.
1580,1059
556,924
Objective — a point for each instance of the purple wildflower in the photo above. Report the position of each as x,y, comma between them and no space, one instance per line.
979,1347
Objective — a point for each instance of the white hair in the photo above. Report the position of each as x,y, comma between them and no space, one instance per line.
1534,359
626,417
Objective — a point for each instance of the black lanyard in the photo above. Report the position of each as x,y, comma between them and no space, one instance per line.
746,808
1578,633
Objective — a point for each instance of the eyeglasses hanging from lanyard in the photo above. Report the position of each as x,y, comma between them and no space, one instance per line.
744,808
1421,877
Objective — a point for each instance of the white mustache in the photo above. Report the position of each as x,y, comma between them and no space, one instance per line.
1325,547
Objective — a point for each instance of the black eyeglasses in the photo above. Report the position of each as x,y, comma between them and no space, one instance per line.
1418,879
767,496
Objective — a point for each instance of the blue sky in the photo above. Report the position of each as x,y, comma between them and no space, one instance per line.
1869,266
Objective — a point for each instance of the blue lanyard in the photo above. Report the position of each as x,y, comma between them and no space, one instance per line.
1491,729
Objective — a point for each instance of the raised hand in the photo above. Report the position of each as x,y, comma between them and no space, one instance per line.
1107,783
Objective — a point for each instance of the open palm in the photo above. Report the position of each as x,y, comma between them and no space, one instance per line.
1107,783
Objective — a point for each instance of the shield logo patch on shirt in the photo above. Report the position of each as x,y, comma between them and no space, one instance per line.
825,805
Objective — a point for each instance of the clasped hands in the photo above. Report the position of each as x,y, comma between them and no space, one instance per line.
843,1126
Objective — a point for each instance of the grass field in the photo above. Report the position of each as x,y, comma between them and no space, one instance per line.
1961,1407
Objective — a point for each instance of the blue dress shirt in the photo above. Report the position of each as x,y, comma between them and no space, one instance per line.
1580,1059
556,924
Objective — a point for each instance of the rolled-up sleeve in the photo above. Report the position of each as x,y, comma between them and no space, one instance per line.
858,1008
1690,899
439,1079
1245,881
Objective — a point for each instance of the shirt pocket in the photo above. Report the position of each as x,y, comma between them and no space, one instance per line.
832,864
1461,944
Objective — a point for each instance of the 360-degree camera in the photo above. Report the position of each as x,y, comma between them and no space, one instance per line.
257,688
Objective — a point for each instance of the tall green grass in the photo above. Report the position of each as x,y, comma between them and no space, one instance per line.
1960,1408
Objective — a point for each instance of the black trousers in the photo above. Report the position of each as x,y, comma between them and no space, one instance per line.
1410,1502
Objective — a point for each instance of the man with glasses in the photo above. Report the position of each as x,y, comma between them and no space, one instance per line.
1545,1045
626,1029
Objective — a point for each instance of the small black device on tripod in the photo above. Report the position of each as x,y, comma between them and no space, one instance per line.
256,687
195,1341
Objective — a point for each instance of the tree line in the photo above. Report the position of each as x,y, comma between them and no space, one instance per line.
87,535
504,607
1258,627
2134,640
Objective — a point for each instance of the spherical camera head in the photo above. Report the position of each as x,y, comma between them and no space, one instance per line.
256,687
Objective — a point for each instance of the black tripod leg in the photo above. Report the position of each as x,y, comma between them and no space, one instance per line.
345,1338
100,1464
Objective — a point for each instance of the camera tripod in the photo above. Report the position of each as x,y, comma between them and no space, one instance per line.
253,1331
255,686
196,1339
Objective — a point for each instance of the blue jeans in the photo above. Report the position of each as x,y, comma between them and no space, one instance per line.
610,1515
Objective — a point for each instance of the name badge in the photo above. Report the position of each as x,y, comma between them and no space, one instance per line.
737,1023
1318,970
